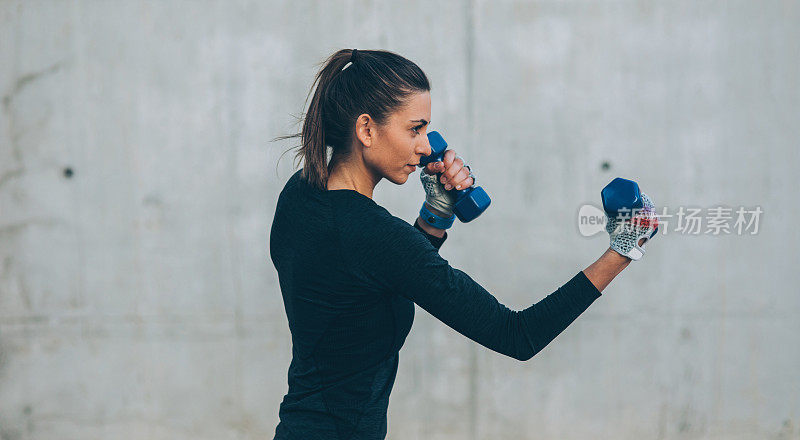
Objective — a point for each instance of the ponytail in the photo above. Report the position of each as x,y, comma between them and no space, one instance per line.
351,83
313,148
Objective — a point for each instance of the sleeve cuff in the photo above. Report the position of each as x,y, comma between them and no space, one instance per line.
580,283
435,241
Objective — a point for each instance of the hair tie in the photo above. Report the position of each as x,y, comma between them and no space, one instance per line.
353,55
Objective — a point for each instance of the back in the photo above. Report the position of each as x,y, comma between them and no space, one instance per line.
346,330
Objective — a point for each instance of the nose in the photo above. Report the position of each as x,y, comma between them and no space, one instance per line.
426,147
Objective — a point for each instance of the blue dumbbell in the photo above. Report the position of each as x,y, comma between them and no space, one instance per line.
470,202
622,196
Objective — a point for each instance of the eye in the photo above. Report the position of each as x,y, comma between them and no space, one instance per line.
416,129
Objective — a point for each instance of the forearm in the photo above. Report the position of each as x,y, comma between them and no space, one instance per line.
606,268
436,232
600,273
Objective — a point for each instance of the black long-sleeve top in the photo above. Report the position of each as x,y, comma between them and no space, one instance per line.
350,273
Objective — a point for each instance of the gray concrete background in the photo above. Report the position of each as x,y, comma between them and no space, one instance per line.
138,300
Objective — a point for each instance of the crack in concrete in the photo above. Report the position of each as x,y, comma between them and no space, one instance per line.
8,99
26,79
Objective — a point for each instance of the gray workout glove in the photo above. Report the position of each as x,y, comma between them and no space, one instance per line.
436,196
626,231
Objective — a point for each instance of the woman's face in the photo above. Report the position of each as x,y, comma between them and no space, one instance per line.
401,140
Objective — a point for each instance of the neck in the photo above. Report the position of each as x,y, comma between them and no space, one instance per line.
355,176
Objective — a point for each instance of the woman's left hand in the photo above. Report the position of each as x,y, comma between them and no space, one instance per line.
455,173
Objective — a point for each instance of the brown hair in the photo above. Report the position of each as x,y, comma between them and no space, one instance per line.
351,83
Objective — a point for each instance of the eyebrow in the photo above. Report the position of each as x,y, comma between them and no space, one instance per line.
424,122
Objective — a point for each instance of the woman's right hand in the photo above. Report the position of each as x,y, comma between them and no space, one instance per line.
454,174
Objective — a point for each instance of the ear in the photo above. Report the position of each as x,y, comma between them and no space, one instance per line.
365,129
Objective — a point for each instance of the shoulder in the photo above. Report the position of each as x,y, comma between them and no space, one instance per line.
362,221
380,247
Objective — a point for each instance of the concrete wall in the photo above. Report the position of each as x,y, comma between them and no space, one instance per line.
137,186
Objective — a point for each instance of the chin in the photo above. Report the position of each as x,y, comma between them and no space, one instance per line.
399,180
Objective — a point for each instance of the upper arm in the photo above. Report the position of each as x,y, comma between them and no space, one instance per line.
397,257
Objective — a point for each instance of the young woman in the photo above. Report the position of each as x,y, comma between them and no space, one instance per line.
350,272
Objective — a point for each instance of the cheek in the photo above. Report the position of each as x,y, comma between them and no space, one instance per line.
401,145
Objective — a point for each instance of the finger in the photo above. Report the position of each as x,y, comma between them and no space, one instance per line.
435,167
448,158
466,183
432,168
460,179
461,185
456,164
